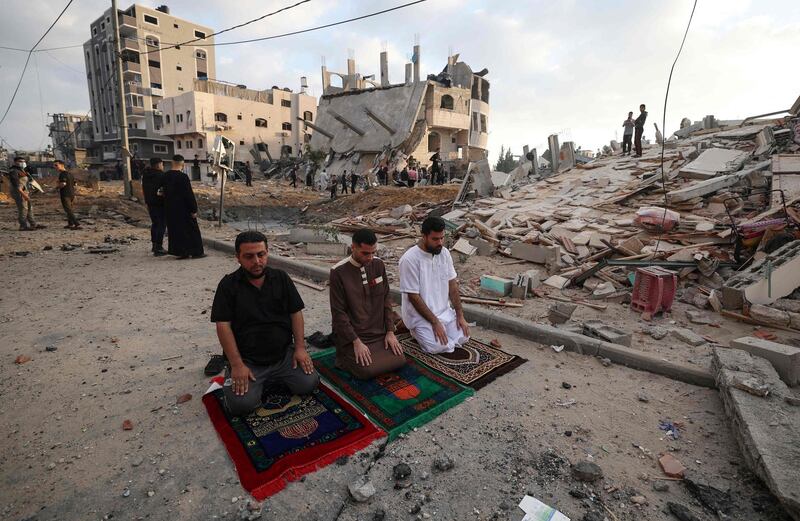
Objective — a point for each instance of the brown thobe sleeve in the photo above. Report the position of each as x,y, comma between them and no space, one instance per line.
342,328
388,314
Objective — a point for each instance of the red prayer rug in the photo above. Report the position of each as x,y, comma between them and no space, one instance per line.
289,436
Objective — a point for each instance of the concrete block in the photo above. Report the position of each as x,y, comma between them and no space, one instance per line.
463,246
560,312
484,247
307,235
770,316
557,281
688,336
785,359
497,285
548,255
787,304
603,331
534,279
765,428
334,249
763,283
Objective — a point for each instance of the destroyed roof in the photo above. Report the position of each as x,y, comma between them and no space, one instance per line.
358,121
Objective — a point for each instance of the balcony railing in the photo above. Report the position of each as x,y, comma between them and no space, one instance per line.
130,43
156,92
127,22
137,132
131,67
134,111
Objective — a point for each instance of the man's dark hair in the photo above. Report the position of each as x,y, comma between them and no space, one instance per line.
248,237
178,158
58,162
641,106
432,224
19,158
365,236
155,161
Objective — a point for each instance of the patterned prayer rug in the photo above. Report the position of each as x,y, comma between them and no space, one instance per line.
474,364
288,436
397,401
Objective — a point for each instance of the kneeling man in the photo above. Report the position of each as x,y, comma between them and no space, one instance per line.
361,311
259,317
429,286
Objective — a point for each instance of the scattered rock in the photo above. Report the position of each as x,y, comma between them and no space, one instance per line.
638,500
401,471
560,312
688,336
443,463
22,253
593,515
566,385
50,349
361,489
151,493
183,398
671,466
642,397
698,317
401,211
22,359
47,248
51,466
578,493
587,471
250,511
656,332
126,493
660,486
605,361
135,462
711,497
681,512
379,515
127,425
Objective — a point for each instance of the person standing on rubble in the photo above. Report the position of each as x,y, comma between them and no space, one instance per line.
334,186
436,168
19,177
344,181
293,176
639,124
627,135
353,181
248,174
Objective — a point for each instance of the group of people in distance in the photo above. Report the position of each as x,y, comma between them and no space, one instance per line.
258,314
634,128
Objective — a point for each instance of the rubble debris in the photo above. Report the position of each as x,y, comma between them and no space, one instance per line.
560,312
22,359
682,512
362,489
784,358
587,471
496,285
769,447
600,329
688,336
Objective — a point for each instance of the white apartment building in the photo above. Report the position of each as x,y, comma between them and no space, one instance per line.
259,122
150,74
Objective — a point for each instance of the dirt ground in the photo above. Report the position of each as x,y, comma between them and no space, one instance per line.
120,336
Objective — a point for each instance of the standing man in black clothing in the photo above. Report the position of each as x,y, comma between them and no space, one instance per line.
66,189
153,188
180,211
436,168
293,176
628,125
259,319
248,174
19,177
334,186
344,181
353,181
637,137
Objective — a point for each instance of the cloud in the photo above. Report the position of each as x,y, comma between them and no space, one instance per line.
570,67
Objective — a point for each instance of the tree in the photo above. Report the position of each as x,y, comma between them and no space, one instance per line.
505,161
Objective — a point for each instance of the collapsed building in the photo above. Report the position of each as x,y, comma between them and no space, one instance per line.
363,124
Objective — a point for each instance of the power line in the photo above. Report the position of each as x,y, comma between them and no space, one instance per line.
28,59
664,122
310,29
170,46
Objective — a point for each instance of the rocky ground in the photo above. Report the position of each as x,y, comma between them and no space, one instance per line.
120,335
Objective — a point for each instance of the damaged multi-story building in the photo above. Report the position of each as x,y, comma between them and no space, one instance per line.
367,123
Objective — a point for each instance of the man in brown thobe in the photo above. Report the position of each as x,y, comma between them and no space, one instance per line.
361,310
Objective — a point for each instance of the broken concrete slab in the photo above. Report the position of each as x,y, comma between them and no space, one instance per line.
769,316
464,246
307,235
599,329
688,336
714,184
713,162
401,211
560,312
483,246
557,281
763,283
326,248
548,255
784,358
766,429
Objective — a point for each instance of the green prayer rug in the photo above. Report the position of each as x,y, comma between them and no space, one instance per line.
397,401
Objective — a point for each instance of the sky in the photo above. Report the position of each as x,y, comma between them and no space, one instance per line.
574,68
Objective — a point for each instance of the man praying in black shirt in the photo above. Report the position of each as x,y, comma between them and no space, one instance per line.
259,318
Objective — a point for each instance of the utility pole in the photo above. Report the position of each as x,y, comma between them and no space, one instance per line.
123,116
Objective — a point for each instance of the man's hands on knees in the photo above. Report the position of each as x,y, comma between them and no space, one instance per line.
241,375
391,342
302,359
361,350
463,325
439,332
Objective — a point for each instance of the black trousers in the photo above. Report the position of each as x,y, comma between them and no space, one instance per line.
637,140
67,203
626,143
353,182
344,185
158,226
248,178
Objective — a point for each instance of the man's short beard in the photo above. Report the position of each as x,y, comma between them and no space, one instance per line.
252,277
433,250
